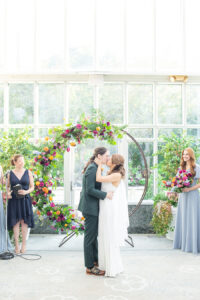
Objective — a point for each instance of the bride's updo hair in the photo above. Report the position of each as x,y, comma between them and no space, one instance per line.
15,158
118,161
97,151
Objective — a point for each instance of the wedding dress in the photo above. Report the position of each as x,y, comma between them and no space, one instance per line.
113,224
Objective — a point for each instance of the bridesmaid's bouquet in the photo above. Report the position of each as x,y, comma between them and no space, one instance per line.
182,180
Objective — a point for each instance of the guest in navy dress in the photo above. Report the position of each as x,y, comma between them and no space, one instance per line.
20,209
187,229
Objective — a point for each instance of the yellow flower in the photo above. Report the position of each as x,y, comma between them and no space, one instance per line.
37,183
39,156
46,138
51,157
98,128
73,144
66,225
50,198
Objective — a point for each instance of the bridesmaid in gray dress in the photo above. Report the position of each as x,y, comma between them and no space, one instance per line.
187,229
3,247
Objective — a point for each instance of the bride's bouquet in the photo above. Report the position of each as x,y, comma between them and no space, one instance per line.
182,180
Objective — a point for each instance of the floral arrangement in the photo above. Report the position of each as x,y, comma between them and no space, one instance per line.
61,139
162,216
177,184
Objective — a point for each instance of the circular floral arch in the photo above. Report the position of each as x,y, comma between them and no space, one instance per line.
61,139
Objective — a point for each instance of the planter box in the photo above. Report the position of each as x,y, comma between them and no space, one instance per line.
170,233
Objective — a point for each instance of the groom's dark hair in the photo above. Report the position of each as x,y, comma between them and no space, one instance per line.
97,151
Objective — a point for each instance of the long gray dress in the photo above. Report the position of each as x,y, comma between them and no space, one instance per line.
3,227
187,229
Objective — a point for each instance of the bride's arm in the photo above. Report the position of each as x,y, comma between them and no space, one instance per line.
109,178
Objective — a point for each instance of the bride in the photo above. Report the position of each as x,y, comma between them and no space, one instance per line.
113,216
3,246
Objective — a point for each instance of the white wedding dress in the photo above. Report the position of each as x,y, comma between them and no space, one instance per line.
113,224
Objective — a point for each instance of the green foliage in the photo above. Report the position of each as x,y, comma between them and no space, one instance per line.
169,153
159,197
162,217
16,141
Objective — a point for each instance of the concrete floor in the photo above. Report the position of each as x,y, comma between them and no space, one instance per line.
153,271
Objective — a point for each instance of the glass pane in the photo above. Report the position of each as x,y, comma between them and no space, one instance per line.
192,8
169,47
136,171
43,132
141,133
2,33
20,35
140,101
140,35
50,38
51,103
193,104
80,100
21,103
80,33
111,102
81,157
168,131
110,50
195,132
1,104
169,101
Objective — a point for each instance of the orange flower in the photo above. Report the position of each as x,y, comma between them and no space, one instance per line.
73,215
66,225
174,179
31,169
39,156
46,149
172,185
37,183
50,198
35,172
58,212
82,218
46,138
164,181
38,213
51,157
73,144
45,190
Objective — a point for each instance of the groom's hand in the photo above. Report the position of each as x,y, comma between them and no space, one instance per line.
109,195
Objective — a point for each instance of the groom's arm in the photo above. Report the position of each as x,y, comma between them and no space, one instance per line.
90,177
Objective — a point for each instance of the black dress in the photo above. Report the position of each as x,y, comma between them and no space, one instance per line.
20,209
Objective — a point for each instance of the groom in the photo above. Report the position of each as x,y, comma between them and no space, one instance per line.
89,206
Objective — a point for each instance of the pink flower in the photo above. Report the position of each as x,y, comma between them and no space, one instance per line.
67,131
73,227
41,183
95,132
78,126
52,204
46,164
68,149
35,159
184,177
34,202
108,123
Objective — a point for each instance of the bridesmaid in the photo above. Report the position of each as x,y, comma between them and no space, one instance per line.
187,229
20,209
3,247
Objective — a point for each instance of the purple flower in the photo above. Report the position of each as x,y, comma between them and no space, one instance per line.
49,213
108,123
58,219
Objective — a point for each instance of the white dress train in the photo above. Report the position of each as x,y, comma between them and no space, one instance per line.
113,224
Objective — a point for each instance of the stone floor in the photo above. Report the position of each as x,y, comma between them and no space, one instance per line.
153,271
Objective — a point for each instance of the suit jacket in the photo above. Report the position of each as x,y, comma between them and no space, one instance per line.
91,192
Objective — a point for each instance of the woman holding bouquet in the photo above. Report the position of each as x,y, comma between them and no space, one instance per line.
187,229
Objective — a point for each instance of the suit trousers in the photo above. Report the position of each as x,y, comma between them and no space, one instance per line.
90,240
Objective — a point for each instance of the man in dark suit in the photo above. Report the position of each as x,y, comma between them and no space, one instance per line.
89,206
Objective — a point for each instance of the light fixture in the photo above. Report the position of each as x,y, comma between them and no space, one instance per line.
180,78
96,80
